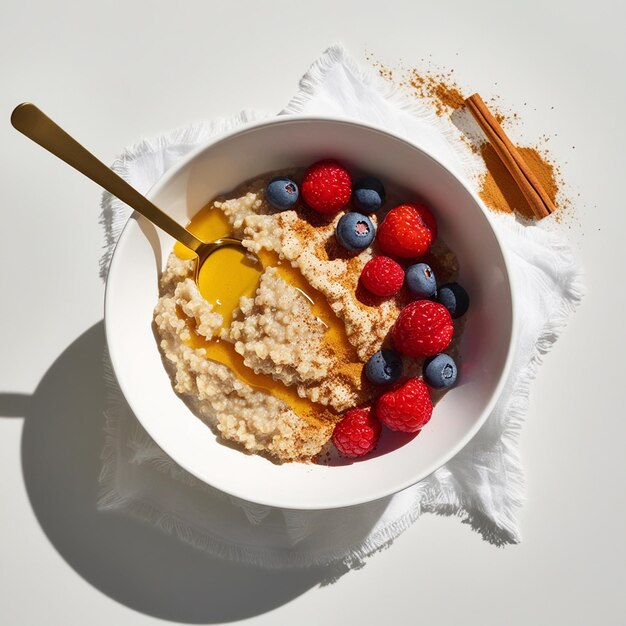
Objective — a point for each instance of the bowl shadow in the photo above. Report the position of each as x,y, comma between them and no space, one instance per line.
128,560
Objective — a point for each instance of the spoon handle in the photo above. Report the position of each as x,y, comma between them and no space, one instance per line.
33,123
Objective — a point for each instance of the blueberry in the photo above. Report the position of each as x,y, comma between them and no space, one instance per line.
384,367
421,282
454,298
440,371
281,193
368,194
355,231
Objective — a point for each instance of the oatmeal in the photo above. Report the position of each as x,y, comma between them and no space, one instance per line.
238,410
277,372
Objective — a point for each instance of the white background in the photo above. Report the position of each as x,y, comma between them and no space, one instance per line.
116,72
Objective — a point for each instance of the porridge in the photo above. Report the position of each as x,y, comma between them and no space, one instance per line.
274,351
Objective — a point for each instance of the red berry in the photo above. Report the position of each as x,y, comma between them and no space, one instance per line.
423,328
407,231
326,187
382,276
406,409
357,432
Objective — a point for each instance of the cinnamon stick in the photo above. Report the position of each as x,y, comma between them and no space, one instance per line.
528,183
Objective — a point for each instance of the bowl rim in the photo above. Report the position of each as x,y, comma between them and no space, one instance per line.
297,118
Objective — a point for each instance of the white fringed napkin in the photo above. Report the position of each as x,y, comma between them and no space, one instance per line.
483,484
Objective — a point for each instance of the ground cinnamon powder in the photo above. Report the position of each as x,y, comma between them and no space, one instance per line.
440,88
497,189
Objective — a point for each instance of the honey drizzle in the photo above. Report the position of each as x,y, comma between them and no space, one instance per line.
224,352
210,224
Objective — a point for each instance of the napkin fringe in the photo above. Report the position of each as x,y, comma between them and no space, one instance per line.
573,291
110,496
472,166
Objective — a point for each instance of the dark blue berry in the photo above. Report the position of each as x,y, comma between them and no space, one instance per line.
454,298
281,193
421,282
384,367
368,194
440,371
355,231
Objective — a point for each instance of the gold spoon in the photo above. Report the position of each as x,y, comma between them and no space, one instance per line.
33,123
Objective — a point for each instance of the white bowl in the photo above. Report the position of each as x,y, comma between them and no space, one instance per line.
218,167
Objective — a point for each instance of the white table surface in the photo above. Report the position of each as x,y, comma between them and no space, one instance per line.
116,72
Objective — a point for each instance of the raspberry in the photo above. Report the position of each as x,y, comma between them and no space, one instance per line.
423,328
382,276
407,231
357,432
326,187
406,409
